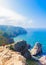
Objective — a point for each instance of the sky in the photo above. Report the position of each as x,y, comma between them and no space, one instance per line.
23,13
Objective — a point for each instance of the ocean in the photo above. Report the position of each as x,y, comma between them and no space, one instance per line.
33,36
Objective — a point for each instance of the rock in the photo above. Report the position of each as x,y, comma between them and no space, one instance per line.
27,55
35,58
37,49
22,47
9,57
28,46
42,60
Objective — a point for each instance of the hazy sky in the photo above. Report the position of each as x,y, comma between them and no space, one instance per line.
25,13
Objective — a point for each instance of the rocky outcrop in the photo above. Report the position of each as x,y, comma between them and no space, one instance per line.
21,46
9,57
27,55
42,60
37,49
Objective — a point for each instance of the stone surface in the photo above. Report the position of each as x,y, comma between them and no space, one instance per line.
9,57
27,55
43,60
22,47
37,49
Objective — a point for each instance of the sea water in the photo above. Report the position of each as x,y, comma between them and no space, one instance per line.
33,36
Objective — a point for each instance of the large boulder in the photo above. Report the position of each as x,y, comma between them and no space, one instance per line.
27,55
42,60
22,47
37,49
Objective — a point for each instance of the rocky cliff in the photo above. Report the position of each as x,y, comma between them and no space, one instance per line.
9,57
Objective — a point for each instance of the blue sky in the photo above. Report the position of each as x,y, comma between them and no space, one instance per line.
25,13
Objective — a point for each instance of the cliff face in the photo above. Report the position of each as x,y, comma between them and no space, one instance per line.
5,40
12,31
7,33
9,57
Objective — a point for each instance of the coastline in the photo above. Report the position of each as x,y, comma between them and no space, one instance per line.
33,36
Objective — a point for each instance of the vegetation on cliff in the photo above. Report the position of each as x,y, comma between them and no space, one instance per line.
11,31
7,33
5,40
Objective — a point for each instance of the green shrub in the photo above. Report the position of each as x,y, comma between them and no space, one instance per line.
32,62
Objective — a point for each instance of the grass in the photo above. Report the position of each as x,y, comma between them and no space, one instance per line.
32,62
